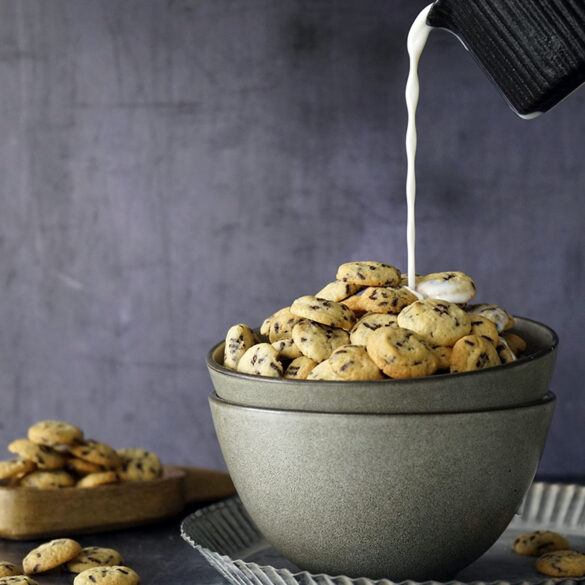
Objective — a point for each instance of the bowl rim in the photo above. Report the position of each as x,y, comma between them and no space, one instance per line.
212,364
548,398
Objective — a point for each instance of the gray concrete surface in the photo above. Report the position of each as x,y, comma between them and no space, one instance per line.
169,168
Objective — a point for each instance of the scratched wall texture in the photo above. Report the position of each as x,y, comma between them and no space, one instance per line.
169,168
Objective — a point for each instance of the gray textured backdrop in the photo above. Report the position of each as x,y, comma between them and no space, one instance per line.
169,168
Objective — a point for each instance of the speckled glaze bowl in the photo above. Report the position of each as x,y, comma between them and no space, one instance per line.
398,496
525,380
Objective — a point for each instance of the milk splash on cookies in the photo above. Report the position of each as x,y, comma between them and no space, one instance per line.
417,38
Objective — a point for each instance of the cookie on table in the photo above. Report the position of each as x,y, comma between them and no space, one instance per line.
94,556
281,324
92,480
238,340
18,580
370,322
115,575
483,327
494,313
369,273
338,291
324,371
15,467
539,542
96,452
322,311
300,368
54,432
48,480
401,353
318,341
473,353
44,457
8,569
562,563
261,360
49,555
452,286
287,348
352,362
382,299
139,465
439,322
516,343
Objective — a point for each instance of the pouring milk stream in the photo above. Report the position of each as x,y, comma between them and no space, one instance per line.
536,57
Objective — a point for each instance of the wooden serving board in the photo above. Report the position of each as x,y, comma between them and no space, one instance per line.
29,513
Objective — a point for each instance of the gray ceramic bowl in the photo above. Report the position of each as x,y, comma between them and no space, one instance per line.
401,496
523,381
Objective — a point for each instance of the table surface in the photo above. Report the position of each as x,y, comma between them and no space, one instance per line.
157,553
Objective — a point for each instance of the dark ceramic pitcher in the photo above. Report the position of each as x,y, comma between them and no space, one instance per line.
534,50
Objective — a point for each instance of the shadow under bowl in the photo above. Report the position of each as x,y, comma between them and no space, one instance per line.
519,382
398,496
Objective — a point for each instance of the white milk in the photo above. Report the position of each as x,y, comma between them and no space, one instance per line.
417,38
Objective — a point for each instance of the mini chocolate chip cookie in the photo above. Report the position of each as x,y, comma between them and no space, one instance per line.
443,355
238,340
18,580
439,322
54,432
401,353
139,465
473,353
516,344
81,467
369,273
281,324
483,327
322,311
15,467
562,563
337,291
8,569
504,351
49,555
324,371
454,287
261,360
539,542
300,368
352,362
48,480
287,348
382,299
44,457
370,322
115,575
94,556
494,313
318,341
96,452
92,480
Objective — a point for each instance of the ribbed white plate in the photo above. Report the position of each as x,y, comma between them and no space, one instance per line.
226,536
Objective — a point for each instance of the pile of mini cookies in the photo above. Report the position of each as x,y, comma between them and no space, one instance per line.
55,455
554,556
94,565
369,325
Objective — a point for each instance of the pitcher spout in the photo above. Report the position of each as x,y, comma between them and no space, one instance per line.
533,51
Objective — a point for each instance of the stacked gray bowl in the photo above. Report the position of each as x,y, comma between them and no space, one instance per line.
400,479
